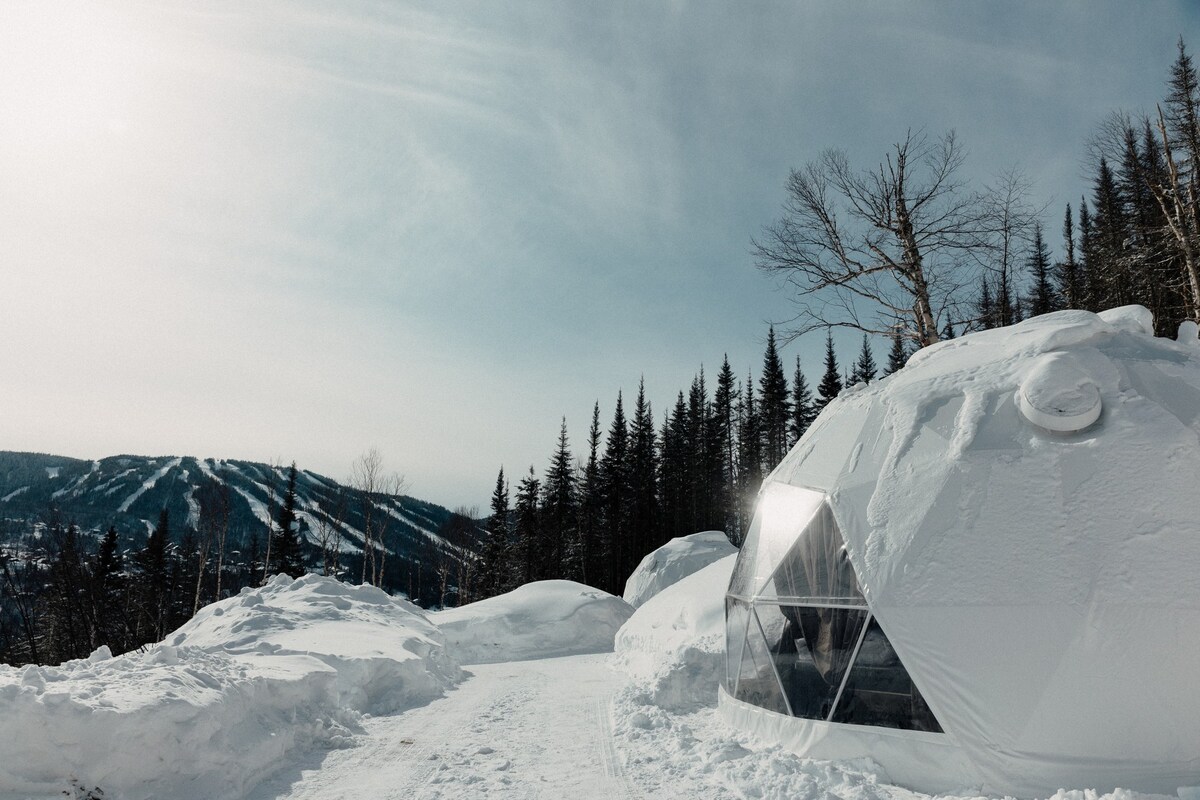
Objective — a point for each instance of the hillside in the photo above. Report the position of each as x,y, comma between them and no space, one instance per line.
129,492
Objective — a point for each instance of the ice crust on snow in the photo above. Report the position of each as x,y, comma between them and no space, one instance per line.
674,561
538,620
222,702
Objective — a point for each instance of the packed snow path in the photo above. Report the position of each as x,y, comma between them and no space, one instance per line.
522,729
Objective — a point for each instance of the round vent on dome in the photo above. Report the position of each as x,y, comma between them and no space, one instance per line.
1058,395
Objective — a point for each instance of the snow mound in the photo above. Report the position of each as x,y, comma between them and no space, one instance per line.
673,647
385,651
674,561
218,706
543,619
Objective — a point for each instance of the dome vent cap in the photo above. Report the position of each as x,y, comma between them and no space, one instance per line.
1057,395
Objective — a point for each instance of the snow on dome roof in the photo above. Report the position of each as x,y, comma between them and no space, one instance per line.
1040,582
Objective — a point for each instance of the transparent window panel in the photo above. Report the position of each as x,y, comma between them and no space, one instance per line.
811,649
737,614
757,683
816,568
783,512
880,692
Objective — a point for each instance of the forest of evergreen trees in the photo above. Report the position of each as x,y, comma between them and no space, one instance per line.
64,594
1134,239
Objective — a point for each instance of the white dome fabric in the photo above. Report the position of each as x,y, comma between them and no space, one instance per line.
1041,586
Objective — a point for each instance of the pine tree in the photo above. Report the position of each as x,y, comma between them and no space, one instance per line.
673,472
723,420
150,583
614,477
591,507
897,355
1041,297
495,570
559,511
1108,267
750,463
108,594
865,368
286,549
831,382
774,406
1068,273
1089,260
527,528
69,622
804,409
1183,111
643,485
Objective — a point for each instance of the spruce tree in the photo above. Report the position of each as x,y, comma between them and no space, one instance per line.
559,512
108,594
831,382
897,355
527,528
643,485
750,463
865,368
1183,111
1107,265
286,549
151,583
495,569
614,477
591,507
1068,273
70,630
723,420
774,406
673,472
1041,297
804,409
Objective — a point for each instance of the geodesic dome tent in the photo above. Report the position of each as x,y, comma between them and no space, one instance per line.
984,570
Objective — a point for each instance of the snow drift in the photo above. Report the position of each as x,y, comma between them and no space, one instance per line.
674,561
216,707
537,620
673,647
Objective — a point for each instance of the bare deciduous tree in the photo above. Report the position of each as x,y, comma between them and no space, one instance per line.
865,249
368,478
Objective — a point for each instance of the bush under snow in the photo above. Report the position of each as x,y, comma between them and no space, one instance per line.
215,708
673,562
538,620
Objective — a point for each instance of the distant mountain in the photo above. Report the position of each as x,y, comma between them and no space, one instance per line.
129,492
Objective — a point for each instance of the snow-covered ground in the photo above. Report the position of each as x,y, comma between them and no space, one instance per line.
315,689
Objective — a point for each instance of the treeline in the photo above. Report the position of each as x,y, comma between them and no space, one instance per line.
644,481
902,266
1136,239
63,593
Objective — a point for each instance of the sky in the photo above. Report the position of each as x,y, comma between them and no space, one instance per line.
295,231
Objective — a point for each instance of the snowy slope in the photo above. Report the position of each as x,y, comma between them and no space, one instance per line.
222,703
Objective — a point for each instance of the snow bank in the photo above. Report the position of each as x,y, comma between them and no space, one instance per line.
215,708
674,561
538,620
673,647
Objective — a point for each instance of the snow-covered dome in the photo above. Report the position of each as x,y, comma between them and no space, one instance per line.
984,570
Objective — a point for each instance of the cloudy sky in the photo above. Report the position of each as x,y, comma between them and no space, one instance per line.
282,231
